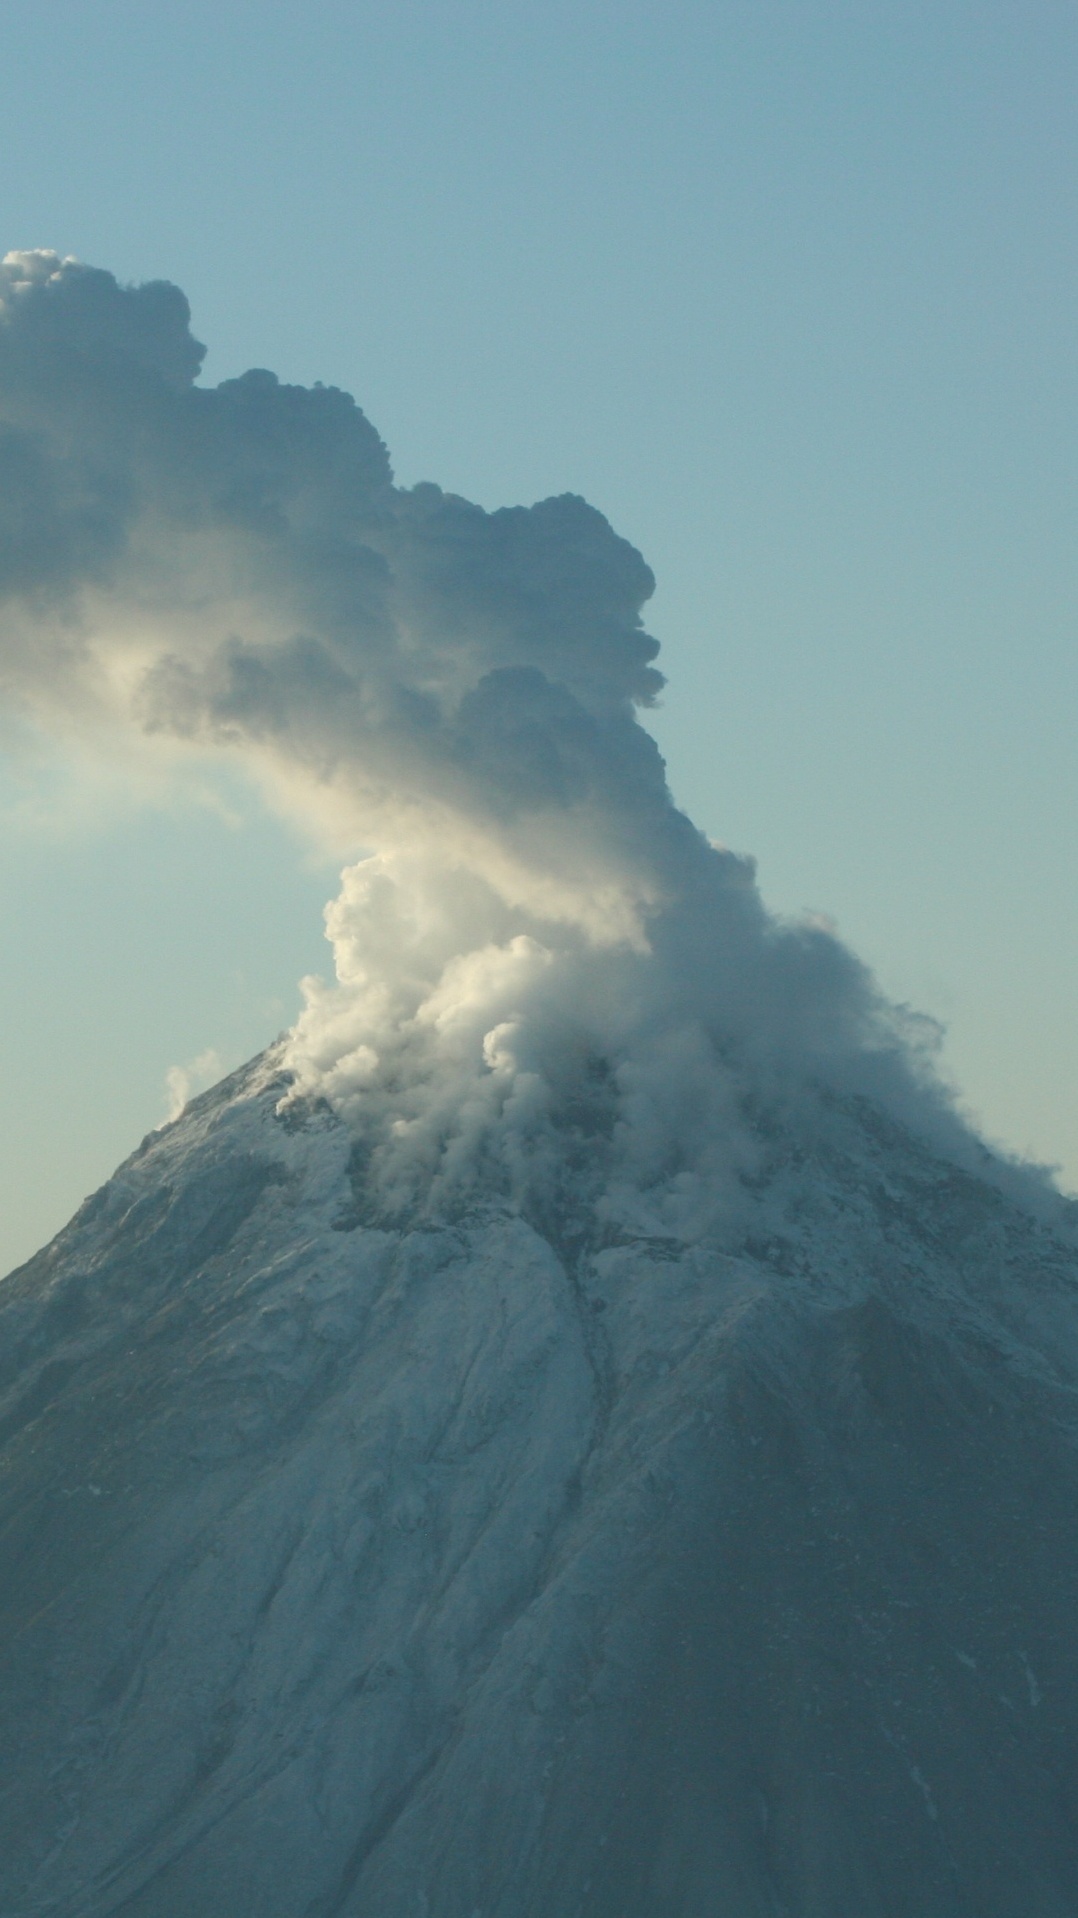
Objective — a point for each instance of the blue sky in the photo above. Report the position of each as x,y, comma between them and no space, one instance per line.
787,290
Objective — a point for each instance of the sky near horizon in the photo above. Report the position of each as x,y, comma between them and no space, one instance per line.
787,291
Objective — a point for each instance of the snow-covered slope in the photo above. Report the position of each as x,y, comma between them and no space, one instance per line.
479,1571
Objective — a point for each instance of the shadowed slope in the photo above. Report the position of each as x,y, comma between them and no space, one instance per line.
362,1572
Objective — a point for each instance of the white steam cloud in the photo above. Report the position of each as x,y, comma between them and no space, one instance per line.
182,1082
550,987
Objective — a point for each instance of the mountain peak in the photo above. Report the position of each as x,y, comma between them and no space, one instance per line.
456,1565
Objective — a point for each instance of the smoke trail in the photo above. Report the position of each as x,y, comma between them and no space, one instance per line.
549,986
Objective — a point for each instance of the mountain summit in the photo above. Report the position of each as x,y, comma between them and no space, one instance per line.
495,1566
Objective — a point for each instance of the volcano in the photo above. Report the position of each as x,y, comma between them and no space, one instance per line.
580,1427
502,1567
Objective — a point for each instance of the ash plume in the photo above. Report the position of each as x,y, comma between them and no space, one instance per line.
541,964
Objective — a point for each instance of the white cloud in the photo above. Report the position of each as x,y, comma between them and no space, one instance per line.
542,963
183,1082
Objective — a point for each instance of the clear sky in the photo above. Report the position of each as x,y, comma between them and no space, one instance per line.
788,290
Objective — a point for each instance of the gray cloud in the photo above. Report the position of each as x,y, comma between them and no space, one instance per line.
250,539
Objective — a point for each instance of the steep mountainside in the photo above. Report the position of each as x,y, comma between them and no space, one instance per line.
481,1571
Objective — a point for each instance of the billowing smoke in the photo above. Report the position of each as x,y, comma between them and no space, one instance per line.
550,988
